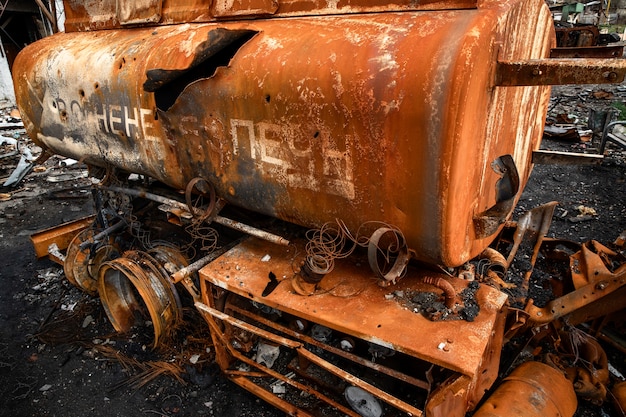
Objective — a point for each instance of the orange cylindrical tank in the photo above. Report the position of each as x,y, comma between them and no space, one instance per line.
391,117
533,389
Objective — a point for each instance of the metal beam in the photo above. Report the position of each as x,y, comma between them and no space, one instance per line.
51,17
560,71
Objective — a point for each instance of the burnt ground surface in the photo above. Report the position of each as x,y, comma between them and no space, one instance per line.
57,349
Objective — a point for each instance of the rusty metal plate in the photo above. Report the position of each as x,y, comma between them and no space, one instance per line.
62,235
357,306
612,51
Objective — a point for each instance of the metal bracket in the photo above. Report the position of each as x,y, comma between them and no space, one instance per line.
560,71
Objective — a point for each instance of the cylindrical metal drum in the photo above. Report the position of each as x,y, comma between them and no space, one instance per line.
533,389
394,117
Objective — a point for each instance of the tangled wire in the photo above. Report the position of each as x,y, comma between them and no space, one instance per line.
335,241
198,228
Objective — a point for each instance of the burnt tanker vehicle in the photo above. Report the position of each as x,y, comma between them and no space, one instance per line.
330,183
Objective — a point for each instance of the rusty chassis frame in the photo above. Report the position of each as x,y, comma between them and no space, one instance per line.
376,334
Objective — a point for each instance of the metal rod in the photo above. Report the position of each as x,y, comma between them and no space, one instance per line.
565,158
53,11
106,232
183,273
552,71
336,351
233,224
150,196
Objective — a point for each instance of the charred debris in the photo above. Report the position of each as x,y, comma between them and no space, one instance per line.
148,283
256,214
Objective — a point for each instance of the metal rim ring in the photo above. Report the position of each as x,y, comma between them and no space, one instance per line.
135,284
80,268
399,247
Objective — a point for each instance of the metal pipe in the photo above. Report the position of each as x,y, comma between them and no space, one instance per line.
150,196
103,234
233,224
533,389
185,272
447,288
49,16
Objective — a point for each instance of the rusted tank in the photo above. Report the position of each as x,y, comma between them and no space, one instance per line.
397,131
325,111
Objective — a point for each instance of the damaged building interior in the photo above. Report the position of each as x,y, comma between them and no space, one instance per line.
357,208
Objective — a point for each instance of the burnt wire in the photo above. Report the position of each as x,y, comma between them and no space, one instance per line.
124,205
205,235
139,233
482,267
199,231
324,245
578,338
335,241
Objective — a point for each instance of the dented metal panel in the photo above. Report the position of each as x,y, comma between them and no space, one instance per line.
369,315
348,303
280,115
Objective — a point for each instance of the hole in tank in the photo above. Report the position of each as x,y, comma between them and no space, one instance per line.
217,51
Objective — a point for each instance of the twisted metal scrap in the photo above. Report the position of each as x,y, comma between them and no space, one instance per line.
198,231
335,241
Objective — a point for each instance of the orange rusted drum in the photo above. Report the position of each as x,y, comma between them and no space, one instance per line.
533,389
618,392
325,113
